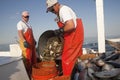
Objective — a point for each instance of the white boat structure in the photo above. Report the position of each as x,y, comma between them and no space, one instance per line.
11,64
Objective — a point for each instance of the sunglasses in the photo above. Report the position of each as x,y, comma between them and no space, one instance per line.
26,16
51,9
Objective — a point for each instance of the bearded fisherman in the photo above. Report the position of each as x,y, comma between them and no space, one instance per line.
27,42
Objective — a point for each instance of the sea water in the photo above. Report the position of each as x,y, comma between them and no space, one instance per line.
4,47
91,45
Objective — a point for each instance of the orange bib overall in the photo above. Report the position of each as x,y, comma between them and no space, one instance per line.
29,53
72,47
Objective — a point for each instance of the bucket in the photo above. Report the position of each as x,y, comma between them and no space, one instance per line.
47,40
44,70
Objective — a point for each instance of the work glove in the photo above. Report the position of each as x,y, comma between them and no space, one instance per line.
59,31
26,45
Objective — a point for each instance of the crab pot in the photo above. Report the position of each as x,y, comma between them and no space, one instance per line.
44,70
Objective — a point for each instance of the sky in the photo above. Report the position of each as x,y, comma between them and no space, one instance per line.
10,15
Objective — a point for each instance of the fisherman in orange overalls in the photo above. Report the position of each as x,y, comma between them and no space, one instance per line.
27,42
72,29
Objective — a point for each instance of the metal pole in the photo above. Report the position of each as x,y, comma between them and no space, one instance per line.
100,26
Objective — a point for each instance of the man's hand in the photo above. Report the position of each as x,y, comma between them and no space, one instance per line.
26,45
35,42
59,31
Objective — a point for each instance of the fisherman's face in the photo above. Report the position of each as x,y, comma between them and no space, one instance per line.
25,18
54,9
51,9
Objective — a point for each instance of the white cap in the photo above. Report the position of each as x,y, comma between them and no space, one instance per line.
50,3
25,13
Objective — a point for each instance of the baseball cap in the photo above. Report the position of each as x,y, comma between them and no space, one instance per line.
50,3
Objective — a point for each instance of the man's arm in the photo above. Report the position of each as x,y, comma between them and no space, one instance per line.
21,36
69,26
25,43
